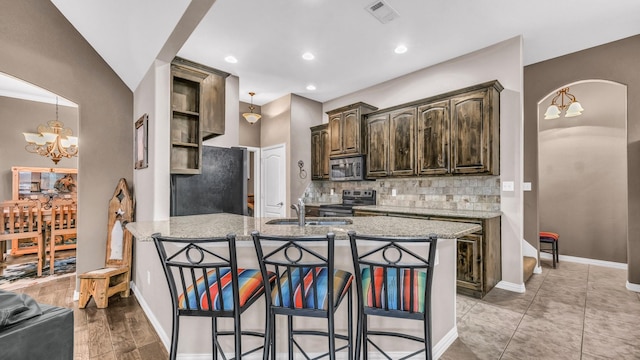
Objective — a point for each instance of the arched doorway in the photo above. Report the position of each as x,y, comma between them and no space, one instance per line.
582,164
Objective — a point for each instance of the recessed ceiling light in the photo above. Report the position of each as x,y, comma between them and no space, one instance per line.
311,87
308,56
400,49
231,59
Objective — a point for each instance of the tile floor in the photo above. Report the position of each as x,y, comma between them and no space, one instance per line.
575,311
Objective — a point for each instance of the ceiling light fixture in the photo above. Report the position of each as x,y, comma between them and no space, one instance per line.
230,59
400,49
251,117
572,105
308,56
311,87
52,140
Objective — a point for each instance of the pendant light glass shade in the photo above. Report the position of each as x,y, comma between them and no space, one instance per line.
251,117
574,109
552,112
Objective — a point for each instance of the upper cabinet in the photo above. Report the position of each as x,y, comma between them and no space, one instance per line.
390,143
475,132
346,132
453,133
320,148
433,138
197,112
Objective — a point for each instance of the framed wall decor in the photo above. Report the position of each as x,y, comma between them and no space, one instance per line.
141,142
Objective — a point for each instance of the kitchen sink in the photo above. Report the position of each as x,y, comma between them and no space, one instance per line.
314,222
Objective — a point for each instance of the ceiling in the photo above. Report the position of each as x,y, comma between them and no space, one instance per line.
352,49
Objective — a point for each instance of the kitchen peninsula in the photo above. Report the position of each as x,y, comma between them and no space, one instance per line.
152,292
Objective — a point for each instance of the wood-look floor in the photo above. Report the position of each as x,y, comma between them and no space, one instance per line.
119,332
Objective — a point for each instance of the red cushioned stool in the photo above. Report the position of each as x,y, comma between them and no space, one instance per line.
552,239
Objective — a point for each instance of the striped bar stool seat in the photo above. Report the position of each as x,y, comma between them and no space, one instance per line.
204,280
551,239
393,279
306,286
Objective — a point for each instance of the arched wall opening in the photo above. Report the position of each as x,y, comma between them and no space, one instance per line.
582,164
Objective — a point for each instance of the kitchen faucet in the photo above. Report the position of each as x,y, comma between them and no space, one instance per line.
299,208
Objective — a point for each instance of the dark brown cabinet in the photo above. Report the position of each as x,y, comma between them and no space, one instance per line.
377,129
320,148
345,129
402,125
474,131
478,260
390,143
197,112
433,138
186,126
453,133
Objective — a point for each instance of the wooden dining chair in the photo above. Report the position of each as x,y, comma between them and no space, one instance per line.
63,222
115,276
22,219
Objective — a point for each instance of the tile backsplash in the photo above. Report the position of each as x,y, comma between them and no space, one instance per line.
481,193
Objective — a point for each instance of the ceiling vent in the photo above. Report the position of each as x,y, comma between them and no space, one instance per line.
382,11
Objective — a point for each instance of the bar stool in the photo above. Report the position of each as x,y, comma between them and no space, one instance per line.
306,285
393,280
211,285
550,238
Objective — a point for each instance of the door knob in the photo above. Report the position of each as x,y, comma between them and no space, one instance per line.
280,203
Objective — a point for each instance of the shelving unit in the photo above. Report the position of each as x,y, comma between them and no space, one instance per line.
186,139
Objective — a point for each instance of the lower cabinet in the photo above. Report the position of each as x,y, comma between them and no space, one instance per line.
479,260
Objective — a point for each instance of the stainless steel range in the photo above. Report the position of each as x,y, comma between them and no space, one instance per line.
350,198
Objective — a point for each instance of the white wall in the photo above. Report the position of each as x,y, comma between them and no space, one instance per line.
503,62
152,184
305,113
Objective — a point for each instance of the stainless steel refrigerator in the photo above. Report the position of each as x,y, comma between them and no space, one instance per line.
221,187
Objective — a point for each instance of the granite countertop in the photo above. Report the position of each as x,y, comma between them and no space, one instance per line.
213,225
431,212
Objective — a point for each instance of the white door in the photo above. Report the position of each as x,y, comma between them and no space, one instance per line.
274,181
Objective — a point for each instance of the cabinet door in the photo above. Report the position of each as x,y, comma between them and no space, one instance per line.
316,155
433,138
470,131
402,140
378,145
324,143
351,132
469,269
213,88
335,131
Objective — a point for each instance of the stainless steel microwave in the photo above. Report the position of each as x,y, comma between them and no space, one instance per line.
346,169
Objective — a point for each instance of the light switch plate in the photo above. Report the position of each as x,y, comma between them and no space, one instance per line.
508,186
526,186
393,192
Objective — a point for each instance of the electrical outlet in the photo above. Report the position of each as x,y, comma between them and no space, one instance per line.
526,186
394,192
148,278
508,186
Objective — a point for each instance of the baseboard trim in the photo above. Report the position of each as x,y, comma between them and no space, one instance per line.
519,288
580,260
633,287
152,319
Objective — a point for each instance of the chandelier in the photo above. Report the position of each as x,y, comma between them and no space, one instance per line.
251,117
52,140
567,102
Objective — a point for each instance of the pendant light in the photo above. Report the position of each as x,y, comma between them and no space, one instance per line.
251,117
